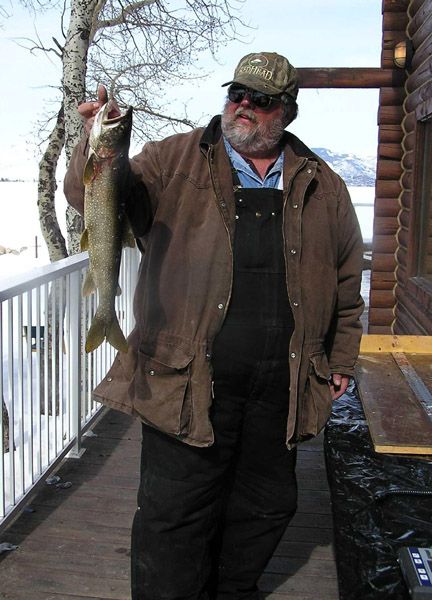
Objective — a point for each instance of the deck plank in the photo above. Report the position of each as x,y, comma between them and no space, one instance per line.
75,543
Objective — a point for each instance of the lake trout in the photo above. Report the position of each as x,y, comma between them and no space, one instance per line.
106,226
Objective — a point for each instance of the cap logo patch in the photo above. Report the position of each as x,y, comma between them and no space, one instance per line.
256,66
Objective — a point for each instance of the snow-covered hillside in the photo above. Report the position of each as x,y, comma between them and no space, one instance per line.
355,170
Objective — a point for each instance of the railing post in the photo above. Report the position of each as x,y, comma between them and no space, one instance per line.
75,307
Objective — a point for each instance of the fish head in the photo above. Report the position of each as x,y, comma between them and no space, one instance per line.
110,135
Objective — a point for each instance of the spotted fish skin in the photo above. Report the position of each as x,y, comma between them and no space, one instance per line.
106,225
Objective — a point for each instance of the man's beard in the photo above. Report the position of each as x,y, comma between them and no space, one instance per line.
255,140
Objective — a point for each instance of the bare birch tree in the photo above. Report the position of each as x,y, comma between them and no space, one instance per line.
138,49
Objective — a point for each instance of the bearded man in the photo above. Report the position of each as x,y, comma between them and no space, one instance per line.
247,325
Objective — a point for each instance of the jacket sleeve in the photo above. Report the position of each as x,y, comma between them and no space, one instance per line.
139,184
343,340
73,185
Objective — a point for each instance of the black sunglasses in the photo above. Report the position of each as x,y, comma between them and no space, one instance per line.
259,99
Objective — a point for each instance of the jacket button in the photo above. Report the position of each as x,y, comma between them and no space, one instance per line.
295,304
152,372
293,251
220,306
309,171
109,379
223,204
208,355
293,354
295,205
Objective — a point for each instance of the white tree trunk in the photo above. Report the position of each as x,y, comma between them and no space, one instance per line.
83,13
47,186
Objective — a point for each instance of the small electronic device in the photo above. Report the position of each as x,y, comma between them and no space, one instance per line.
416,566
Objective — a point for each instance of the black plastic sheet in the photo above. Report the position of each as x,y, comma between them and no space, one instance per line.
380,503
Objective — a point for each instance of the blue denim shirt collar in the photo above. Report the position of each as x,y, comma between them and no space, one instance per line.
248,177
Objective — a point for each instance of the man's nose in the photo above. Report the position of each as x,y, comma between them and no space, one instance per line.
247,101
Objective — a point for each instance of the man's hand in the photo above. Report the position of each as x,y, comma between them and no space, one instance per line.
88,110
338,385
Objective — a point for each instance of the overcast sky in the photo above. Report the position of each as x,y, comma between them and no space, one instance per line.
311,33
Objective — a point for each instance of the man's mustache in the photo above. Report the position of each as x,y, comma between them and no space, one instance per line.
247,113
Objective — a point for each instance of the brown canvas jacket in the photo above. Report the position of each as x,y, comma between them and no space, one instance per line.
181,207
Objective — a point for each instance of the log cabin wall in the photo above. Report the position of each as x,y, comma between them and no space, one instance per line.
413,291
389,171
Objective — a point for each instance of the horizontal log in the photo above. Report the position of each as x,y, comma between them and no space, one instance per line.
382,299
403,237
385,225
391,37
380,316
421,34
389,169
413,315
390,115
379,330
405,199
410,122
409,141
390,134
387,189
384,244
423,51
406,180
418,16
420,76
386,207
395,6
418,96
402,262
404,218
383,262
342,77
380,280
390,151
395,21
421,291
408,161
390,96
415,6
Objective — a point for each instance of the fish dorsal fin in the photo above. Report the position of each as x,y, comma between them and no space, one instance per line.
89,169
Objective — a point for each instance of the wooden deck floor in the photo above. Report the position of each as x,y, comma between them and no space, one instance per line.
75,543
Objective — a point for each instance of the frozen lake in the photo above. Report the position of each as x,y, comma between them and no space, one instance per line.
19,223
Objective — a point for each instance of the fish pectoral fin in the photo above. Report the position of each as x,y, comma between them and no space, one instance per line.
115,336
89,170
89,285
128,236
84,240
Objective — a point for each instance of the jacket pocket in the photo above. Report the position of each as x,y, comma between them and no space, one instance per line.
163,395
317,399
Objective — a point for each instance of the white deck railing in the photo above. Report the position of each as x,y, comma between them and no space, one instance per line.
46,378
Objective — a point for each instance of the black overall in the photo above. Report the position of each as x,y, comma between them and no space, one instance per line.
209,519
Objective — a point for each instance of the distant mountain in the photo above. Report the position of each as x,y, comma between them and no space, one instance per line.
354,170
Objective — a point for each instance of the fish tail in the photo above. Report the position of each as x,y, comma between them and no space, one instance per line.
102,329
115,336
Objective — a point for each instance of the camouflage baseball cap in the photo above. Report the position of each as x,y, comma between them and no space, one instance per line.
267,72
